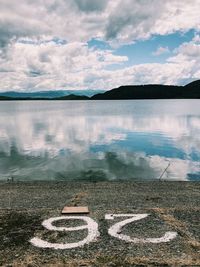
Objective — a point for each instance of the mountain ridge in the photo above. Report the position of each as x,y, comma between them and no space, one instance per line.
50,94
148,91
152,91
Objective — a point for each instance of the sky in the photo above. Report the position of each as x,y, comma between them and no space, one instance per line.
97,44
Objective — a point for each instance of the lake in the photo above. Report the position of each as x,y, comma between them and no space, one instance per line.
100,140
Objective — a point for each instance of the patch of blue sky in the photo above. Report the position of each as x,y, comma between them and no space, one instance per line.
59,41
98,44
143,51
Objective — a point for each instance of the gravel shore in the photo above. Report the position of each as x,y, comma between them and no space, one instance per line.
171,206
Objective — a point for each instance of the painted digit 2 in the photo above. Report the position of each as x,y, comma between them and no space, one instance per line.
115,229
91,225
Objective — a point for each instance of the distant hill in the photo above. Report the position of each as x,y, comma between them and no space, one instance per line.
73,97
50,94
151,91
68,97
195,84
5,98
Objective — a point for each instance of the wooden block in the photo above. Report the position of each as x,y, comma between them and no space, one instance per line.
75,210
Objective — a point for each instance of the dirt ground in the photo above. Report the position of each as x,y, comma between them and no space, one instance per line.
169,207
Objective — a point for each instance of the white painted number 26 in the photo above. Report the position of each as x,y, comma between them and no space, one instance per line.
92,227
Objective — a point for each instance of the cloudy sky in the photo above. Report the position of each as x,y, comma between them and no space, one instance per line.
97,44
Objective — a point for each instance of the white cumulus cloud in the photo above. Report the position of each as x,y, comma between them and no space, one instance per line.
161,50
43,43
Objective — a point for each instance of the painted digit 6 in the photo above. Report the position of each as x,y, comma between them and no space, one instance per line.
91,225
115,229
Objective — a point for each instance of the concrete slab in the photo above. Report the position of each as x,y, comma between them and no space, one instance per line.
75,210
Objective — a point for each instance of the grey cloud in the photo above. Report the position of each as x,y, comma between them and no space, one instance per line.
137,17
115,25
4,37
35,73
36,19
19,20
81,20
44,57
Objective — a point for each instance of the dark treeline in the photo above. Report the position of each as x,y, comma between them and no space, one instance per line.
152,91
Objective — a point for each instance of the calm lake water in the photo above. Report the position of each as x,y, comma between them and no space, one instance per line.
100,140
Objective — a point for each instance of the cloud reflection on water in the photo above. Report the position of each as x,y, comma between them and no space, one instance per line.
80,140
